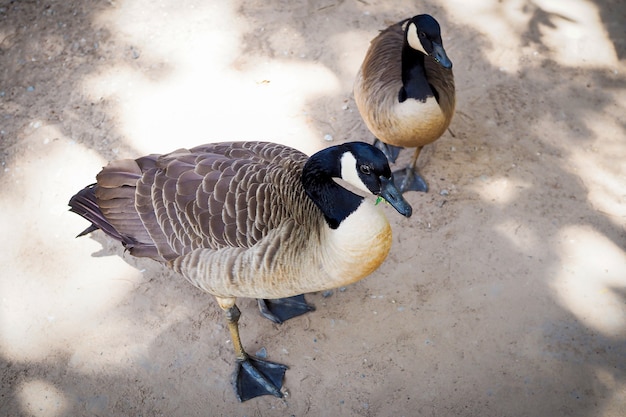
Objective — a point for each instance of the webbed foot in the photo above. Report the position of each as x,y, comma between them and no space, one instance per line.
408,179
283,309
390,151
254,377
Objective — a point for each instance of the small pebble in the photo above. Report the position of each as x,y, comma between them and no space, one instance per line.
30,88
444,192
328,137
261,353
327,293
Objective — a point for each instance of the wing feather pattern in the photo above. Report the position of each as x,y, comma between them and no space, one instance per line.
215,196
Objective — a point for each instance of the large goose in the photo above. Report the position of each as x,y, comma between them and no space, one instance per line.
250,219
404,91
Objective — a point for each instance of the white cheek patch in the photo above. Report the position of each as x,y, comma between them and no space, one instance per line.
413,38
349,172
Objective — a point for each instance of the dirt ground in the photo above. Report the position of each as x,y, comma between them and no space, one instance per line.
503,295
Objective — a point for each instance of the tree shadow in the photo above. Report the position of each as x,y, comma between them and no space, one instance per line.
544,354
613,14
66,41
519,151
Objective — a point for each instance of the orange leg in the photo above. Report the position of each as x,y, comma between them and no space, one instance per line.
253,377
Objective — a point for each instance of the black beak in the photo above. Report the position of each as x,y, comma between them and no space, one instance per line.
440,56
393,196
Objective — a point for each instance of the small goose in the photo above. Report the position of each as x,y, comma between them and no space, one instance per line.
250,219
404,91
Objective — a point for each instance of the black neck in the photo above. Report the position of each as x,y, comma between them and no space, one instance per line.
414,82
335,202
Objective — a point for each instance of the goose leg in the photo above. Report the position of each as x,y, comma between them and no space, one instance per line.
409,179
283,309
390,151
253,377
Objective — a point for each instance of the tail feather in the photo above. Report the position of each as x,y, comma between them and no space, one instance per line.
84,204
88,230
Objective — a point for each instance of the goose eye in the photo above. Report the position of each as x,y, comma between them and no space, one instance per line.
422,34
365,169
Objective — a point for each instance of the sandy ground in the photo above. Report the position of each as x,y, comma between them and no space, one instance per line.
504,294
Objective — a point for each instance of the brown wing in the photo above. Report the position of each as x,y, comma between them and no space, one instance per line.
213,196
379,78
382,64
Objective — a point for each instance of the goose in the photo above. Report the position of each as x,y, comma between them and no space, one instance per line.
404,91
250,219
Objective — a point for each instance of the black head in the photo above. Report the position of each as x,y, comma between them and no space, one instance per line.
424,34
367,168
362,165
357,163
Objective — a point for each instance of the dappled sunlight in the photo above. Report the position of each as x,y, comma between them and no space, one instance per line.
571,31
59,311
41,399
266,104
500,191
285,41
589,281
575,33
499,22
198,34
518,247
601,167
607,191
349,47
193,89
114,340
56,290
